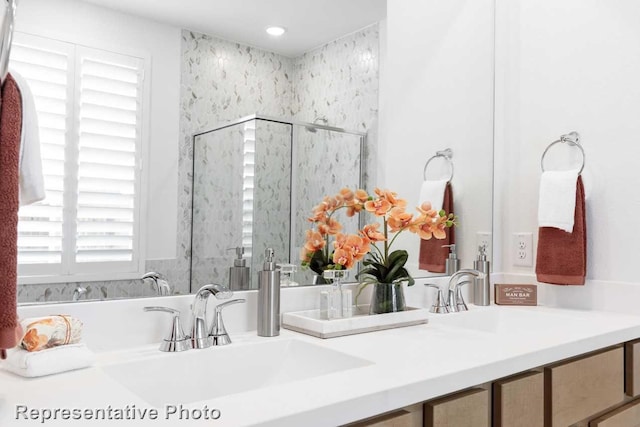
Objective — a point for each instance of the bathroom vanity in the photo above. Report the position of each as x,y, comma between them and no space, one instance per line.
406,376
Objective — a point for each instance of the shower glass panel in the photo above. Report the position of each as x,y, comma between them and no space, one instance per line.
324,161
255,183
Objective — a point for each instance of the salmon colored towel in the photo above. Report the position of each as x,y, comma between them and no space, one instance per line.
10,128
432,255
562,256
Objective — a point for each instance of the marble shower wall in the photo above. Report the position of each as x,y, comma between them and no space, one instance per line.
222,81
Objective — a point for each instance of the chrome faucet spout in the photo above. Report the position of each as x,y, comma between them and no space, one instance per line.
455,300
199,330
158,283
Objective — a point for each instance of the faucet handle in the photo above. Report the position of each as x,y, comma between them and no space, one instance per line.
176,340
218,331
459,300
439,305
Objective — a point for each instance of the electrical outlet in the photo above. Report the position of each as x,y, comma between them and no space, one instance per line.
484,238
523,249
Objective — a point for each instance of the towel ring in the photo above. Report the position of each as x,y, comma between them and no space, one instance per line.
446,154
572,139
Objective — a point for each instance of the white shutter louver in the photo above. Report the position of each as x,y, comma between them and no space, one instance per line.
109,129
46,69
89,105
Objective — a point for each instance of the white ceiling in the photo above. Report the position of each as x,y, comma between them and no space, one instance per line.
309,23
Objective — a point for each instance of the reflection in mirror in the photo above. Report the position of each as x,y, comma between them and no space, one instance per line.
197,73
255,183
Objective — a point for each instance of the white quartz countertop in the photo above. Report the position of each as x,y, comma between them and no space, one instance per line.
408,365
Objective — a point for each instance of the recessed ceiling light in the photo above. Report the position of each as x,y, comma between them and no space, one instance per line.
275,31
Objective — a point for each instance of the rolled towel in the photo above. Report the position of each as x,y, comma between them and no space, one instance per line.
51,331
557,202
47,362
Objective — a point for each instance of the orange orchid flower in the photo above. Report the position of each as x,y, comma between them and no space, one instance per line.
314,242
379,207
372,233
399,219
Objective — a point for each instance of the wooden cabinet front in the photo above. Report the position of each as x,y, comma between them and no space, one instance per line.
465,409
632,368
625,416
579,388
518,401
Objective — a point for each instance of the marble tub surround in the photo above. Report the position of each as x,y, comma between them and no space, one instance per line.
427,361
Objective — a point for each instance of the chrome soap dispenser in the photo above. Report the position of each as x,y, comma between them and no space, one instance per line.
239,274
269,297
452,264
482,287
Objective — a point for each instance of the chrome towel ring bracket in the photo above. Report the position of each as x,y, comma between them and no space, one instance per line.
572,139
446,154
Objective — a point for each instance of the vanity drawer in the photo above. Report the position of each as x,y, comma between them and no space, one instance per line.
625,416
466,409
632,368
579,388
407,417
518,401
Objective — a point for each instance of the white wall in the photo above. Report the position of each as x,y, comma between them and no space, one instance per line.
437,92
83,23
563,66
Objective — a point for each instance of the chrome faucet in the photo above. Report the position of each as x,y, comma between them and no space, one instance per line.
79,293
159,283
200,337
455,300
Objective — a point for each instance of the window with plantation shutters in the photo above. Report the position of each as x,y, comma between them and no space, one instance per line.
89,107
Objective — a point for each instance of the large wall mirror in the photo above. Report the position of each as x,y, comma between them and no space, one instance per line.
255,183
317,124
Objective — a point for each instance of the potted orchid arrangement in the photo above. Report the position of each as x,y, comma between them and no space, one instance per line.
382,267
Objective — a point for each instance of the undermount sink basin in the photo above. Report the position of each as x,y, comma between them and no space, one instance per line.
197,375
503,320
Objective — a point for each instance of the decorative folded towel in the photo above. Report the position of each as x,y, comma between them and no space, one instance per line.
50,361
10,128
433,192
562,256
433,256
50,331
31,178
557,203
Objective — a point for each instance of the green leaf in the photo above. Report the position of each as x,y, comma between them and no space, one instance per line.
399,256
318,263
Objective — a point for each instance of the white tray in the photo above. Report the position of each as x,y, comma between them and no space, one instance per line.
309,322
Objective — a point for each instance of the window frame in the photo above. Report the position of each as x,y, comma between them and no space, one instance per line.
70,271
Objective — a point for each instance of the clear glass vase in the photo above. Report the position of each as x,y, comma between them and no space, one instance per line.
387,298
338,300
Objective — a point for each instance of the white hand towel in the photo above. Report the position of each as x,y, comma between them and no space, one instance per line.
433,191
31,178
46,362
557,204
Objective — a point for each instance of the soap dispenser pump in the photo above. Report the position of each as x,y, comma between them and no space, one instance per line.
239,274
452,264
482,287
269,297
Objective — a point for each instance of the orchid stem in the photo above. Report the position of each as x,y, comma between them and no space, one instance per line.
386,242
